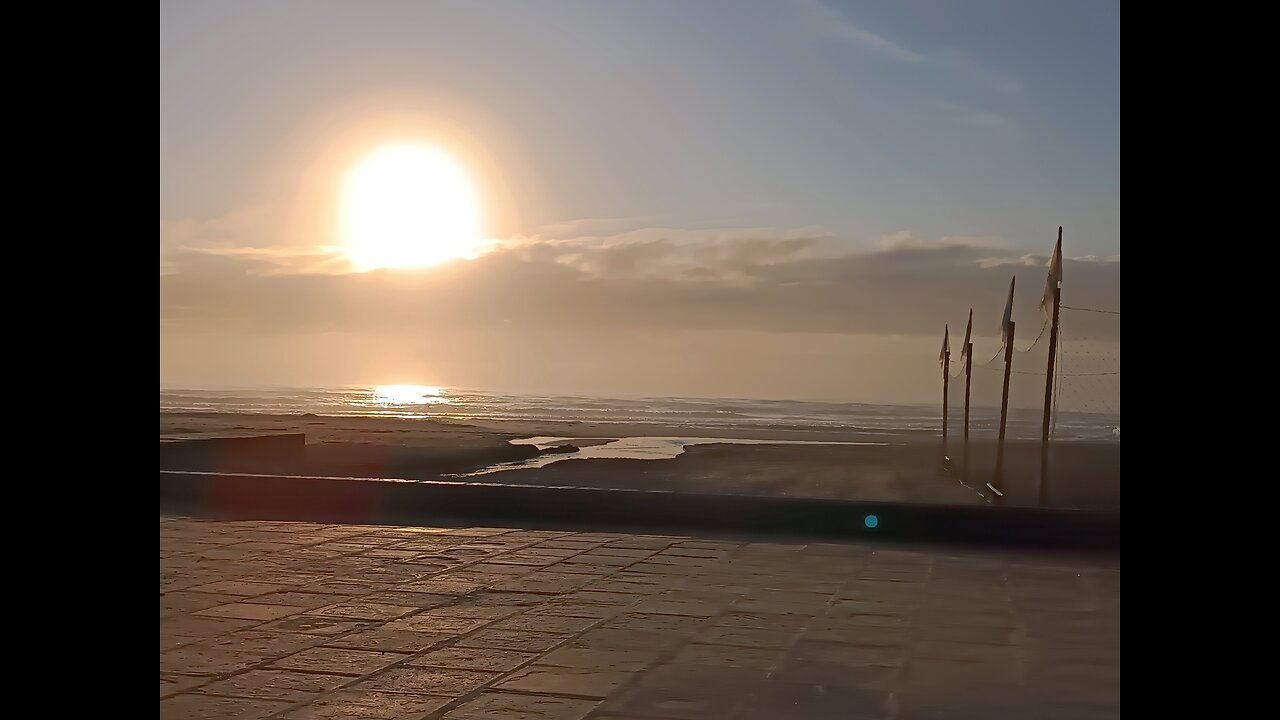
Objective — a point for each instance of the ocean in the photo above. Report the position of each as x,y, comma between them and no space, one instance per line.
690,414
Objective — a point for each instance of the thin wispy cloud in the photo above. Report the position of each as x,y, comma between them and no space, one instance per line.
905,239
583,226
1033,260
833,23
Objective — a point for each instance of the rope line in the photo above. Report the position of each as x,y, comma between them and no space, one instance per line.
1081,382
1089,374
993,357
1000,352
1035,342
1105,312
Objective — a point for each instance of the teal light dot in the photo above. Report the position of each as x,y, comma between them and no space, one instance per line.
871,521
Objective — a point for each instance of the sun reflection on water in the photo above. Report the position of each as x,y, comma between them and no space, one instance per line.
408,395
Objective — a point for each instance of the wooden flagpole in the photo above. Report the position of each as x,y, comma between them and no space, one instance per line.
1048,383
946,380
997,484
968,375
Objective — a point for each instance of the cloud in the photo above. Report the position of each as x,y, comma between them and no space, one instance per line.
653,281
260,237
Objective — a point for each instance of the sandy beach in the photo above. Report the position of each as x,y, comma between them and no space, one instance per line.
906,467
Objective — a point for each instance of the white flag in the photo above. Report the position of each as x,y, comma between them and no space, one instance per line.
1052,282
968,335
946,348
1008,313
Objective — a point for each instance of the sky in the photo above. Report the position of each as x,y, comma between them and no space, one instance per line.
752,198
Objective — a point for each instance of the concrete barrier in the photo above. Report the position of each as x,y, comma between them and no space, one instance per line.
353,500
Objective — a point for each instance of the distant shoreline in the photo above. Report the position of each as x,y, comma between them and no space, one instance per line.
567,415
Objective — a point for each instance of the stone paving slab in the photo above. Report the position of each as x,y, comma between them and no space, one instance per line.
306,620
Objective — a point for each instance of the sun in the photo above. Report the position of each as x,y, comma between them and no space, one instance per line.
408,395
408,205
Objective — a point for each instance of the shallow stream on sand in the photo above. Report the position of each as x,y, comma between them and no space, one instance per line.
629,448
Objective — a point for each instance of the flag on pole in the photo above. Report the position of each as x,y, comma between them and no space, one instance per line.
1052,282
968,335
1008,313
946,348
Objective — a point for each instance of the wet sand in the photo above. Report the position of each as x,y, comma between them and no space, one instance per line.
1082,475
909,468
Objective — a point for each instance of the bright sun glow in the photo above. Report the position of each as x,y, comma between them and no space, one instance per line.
409,205
408,395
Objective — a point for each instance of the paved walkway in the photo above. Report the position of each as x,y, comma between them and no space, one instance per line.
308,621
